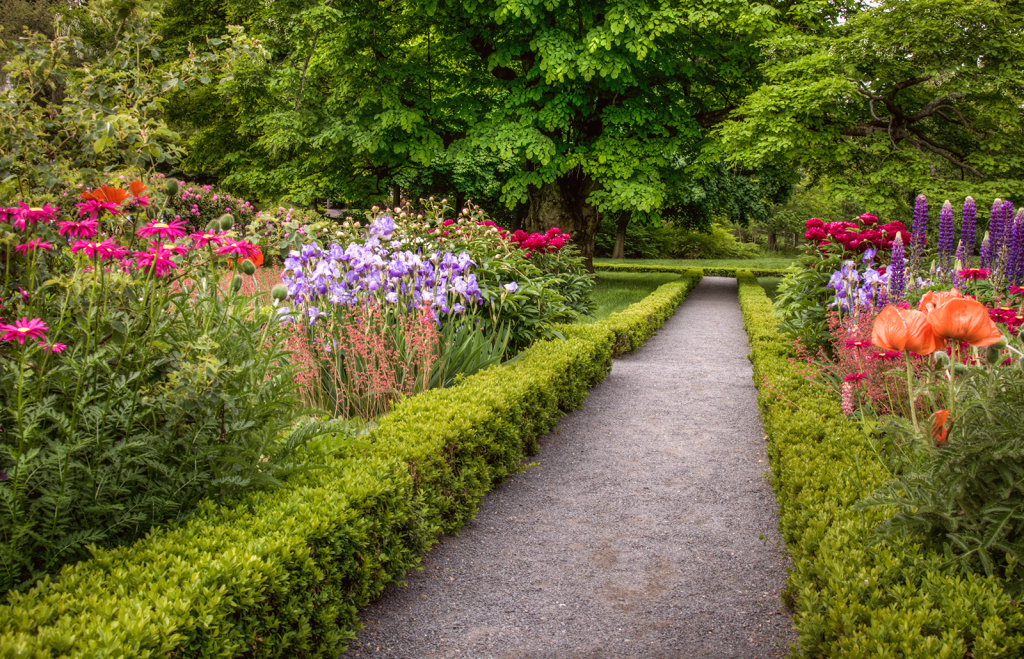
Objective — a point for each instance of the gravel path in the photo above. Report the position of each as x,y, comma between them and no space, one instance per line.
646,530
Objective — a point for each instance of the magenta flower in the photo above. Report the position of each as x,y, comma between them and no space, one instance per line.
33,215
855,377
24,329
974,273
238,248
1017,290
93,207
163,230
177,250
56,347
208,238
80,229
107,249
156,262
8,214
35,243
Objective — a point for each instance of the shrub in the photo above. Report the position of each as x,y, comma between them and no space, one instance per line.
669,241
284,573
854,597
198,205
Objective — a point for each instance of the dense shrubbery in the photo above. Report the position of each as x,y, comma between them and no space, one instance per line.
856,596
285,572
669,241
131,383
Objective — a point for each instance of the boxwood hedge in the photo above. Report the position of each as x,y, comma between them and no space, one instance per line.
284,573
708,272
854,597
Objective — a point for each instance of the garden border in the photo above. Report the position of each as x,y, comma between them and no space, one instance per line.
854,597
708,272
284,573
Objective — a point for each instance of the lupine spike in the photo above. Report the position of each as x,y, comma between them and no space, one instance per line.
995,230
1015,274
918,234
969,227
986,251
946,235
897,270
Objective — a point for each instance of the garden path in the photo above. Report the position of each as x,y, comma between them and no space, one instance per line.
646,530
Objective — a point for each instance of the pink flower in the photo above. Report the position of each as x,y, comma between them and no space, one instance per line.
237,248
177,250
1017,290
868,219
858,344
855,377
156,262
33,215
7,214
974,273
814,223
92,207
107,249
24,329
163,230
35,243
208,238
56,347
80,229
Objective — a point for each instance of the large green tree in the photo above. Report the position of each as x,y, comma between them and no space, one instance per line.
904,96
591,100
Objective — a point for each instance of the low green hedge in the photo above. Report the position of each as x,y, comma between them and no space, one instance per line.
284,573
853,597
708,272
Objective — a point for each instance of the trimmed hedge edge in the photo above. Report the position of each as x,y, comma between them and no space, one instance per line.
853,597
284,573
708,272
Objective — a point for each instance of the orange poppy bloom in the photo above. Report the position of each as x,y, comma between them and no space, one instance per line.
965,320
256,260
106,194
137,188
905,329
939,429
933,299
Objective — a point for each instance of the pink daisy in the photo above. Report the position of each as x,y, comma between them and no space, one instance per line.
93,207
177,250
238,248
107,249
24,329
157,262
80,229
35,243
56,347
163,230
208,238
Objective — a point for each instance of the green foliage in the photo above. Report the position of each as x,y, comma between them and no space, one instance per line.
853,597
966,496
683,269
803,295
670,241
284,573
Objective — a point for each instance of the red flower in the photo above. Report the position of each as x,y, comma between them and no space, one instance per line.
868,219
939,430
238,248
814,223
815,233
860,343
209,238
106,194
24,329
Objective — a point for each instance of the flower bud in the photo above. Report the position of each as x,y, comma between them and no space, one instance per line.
959,369
375,208
941,358
236,284
213,225
279,292
227,221
171,187
993,355
248,267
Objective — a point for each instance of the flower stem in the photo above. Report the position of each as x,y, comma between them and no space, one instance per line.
910,390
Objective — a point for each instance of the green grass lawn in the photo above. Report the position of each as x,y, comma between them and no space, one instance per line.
617,290
769,284
764,263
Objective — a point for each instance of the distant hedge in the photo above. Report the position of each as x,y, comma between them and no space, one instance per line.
854,598
708,272
284,573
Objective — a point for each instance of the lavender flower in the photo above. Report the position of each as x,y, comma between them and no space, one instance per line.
968,229
897,270
946,235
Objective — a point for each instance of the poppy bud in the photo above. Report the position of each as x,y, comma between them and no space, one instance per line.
151,212
993,355
213,226
279,292
227,220
172,187
959,369
236,284
248,267
941,358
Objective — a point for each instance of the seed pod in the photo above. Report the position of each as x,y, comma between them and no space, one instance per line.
171,187
279,292
248,267
214,225
227,220
236,284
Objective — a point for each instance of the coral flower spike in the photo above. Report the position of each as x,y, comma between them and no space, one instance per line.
905,329
965,320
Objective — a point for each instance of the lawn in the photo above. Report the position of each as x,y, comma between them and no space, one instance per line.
617,290
769,284
763,263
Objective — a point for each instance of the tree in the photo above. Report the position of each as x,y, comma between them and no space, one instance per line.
905,96
591,99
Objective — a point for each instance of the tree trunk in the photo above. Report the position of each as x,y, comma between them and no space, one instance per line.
563,204
619,251
772,239
396,196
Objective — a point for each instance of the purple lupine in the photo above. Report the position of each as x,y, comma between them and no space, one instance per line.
986,252
969,229
918,233
960,263
1015,273
996,226
946,235
897,270
1005,242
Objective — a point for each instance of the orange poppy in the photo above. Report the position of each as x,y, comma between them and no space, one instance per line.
939,429
256,260
905,329
106,194
137,188
933,299
965,320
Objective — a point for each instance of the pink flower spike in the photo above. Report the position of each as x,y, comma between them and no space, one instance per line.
35,243
24,329
207,238
80,229
163,230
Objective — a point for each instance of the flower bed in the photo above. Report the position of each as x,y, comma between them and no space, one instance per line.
853,596
284,573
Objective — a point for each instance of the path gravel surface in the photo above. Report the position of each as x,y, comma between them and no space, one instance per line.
646,530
